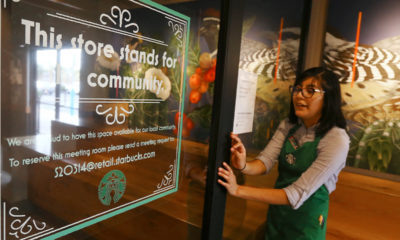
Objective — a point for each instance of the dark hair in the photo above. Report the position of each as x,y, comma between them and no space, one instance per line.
332,114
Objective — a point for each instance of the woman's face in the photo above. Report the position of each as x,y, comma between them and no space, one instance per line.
308,109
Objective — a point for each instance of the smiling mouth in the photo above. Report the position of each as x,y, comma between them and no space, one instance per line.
300,105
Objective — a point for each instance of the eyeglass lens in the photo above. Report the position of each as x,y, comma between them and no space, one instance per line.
306,92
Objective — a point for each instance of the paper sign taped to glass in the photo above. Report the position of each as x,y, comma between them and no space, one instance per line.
245,102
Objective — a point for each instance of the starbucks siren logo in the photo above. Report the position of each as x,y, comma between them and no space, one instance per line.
112,187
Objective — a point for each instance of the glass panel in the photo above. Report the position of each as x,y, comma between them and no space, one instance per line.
271,37
73,163
197,116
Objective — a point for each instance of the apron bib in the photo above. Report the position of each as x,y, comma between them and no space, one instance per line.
309,220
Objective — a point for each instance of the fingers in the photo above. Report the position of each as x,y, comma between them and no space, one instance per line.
226,170
223,173
226,173
237,158
237,154
235,137
227,167
226,176
233,134
237,148
228,179
237,144
225,184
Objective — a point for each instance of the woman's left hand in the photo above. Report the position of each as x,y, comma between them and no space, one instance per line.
230,179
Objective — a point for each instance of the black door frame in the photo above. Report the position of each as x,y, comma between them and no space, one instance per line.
222,114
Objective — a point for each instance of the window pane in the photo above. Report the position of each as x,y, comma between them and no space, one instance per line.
90,140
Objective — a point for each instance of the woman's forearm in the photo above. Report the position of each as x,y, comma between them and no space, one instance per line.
267,195
255,167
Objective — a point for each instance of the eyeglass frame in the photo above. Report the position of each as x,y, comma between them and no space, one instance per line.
292,91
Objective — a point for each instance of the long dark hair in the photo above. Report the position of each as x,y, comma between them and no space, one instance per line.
332,114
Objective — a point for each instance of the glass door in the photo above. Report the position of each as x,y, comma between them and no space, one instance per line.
270,56
99,138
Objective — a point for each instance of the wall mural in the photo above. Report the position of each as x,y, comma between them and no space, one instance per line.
271,40
362,45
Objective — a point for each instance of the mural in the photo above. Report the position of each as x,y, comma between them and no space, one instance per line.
271,40
362,45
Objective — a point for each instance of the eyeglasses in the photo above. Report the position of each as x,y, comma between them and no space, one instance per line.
307,92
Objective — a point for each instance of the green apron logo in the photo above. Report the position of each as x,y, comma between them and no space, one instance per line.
112,187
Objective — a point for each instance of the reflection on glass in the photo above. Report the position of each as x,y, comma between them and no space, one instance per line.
57,87
70,63
46,63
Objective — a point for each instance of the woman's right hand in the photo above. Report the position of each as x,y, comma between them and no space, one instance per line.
238,152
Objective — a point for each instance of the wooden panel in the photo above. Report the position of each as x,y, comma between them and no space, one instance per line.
364,207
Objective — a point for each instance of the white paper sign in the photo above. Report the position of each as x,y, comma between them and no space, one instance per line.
245,102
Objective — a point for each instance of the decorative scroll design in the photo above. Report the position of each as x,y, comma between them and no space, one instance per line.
178,31
114,118
23,225
167,179
5,2
122,16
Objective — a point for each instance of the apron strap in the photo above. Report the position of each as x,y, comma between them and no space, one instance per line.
292,139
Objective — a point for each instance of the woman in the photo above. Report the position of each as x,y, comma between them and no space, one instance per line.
311,148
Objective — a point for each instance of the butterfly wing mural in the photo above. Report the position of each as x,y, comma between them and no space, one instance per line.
272,97
372,104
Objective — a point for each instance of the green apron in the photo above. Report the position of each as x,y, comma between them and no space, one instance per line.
309,220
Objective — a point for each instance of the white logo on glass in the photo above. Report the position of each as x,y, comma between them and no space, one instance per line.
123,16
